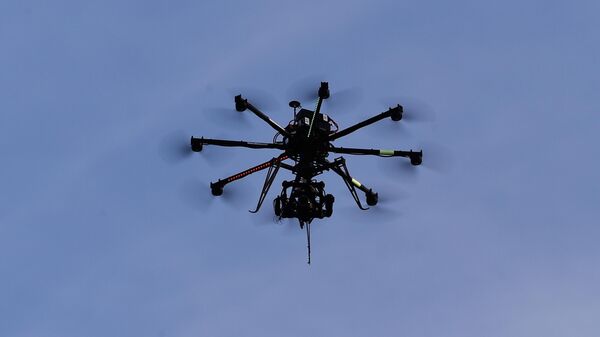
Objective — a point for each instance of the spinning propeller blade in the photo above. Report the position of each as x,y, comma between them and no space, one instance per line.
305,90
197,195
339,101
259,98
415,110
175,147
227,115
436,157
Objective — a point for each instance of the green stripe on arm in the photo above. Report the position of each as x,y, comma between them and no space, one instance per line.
356,183
386,152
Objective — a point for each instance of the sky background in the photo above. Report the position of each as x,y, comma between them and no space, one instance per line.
106,231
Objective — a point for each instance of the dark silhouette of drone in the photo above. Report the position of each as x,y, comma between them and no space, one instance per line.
307,142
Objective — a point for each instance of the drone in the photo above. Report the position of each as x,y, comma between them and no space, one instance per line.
306,143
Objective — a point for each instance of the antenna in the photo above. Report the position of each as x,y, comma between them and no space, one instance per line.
295,105
308,239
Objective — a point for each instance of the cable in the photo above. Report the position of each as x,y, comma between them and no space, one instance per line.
308,239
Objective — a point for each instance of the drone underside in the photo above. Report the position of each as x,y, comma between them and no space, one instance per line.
306,142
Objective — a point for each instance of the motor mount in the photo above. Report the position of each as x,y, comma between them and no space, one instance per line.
397,113
196,144
372,198
416,158
324,90
216,189
240,103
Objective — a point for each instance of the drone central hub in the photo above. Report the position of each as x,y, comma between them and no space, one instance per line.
300,143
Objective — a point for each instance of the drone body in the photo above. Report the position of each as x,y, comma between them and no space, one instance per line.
307,141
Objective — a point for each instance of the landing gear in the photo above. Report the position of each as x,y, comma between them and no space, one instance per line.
328,200
277,206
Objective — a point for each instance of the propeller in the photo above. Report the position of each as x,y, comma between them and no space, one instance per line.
197,195
415,110
220,116
175,147
437,158
339,101
344,100
227,115
305,90
389,195
258,97
389,202
380,213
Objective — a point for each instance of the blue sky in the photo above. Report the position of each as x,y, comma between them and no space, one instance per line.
104,233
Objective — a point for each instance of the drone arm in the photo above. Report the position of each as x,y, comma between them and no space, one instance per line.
287,166
312,120
217,187
242,104
276,164
339,167
416,157
198,142
271,174
395,113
